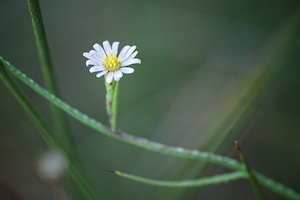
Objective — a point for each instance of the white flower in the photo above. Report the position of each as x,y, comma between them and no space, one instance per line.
106,61
52,166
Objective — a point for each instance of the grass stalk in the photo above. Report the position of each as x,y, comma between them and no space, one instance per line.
213,180
48,74
255,185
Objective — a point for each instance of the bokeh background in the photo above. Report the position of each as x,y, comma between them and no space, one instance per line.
212,72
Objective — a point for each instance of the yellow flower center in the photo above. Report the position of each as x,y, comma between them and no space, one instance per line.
112,63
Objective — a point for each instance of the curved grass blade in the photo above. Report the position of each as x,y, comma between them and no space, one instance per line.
213,180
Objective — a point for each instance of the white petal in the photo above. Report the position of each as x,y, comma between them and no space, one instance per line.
118,74
123,51
92,54
96,69
100,50
129,52
85,54
109,77
116,78
107,47
131,56
95,54
88,55
94,58
131,62
98,56
97,47
127,70
115,47
91,62
101,73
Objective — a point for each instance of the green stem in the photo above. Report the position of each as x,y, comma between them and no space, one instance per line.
145,143
112,94
77,178
217,179
48,73
277,187
257,190
114,107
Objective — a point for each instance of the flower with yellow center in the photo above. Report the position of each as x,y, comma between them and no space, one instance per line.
106,61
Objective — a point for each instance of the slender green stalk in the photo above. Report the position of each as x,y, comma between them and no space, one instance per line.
114,107
75,175
112,94
48,73
277,187
42,45
257,190
145,143
213,180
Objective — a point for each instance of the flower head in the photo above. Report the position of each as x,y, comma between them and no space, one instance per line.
106,61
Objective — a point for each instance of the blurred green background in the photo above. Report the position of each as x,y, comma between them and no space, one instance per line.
212,72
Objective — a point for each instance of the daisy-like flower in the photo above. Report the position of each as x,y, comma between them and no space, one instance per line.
106,61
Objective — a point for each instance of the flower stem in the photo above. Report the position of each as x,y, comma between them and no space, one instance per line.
37,120
217,179
112,94
255,185
49,75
